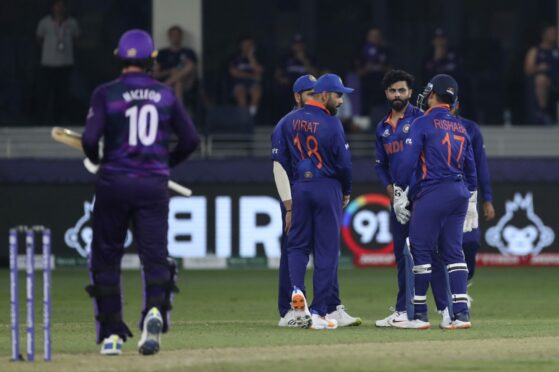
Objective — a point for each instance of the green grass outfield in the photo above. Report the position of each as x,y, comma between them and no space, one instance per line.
227,320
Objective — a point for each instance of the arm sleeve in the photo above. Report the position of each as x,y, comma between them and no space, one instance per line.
342,156
381,163
186,133
470,168
94,126
280,151
410,157
282,182
481,165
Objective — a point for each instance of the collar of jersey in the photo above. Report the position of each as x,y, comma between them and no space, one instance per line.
315,103
439,106
409,108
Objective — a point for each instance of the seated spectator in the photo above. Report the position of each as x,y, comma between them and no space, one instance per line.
541,67
177,66
442,60
295,64
246,75
371,66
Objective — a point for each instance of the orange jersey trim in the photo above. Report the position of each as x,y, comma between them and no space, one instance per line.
315,103
440,105
423,165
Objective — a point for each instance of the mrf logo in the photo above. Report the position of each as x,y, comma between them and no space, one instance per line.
520,232
366,229
80,236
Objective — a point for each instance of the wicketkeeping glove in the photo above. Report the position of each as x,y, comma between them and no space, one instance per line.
471,222
401,203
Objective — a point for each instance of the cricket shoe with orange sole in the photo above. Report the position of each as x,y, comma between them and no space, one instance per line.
301,313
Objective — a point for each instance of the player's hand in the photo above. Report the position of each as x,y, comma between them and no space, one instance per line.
345,201
287,222
488,211
471,221
400,204
91,168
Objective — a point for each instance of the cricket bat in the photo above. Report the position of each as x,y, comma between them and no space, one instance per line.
74,139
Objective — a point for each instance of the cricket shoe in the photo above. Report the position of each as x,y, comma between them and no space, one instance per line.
300,308
420,322
343,318
112,345
395,317
446,321
151,333
461,321
320,322
290,319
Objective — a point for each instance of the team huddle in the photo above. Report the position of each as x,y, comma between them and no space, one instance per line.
430,161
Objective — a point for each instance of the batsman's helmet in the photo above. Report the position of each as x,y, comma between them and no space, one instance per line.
135,45
442,85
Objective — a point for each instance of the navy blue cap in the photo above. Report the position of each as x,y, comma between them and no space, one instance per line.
303,83
445,85
331,83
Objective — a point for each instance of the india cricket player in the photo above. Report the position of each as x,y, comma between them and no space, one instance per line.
391,134
302,92
136,116
431,175
313,147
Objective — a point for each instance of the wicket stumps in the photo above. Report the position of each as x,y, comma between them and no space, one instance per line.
29,233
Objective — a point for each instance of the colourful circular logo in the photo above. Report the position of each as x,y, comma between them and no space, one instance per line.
366,225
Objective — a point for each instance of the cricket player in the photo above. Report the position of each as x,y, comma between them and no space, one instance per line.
302,92
312,147
431,177
471,241
391,134
136,116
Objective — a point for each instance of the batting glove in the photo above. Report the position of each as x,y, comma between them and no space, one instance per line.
471,222
401,203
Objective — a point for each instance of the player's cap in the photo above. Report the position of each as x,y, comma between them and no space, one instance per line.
136,45
331,83
445,85
303,83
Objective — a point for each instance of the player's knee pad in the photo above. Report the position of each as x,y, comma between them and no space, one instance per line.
159,287
422,269
461,266
106,293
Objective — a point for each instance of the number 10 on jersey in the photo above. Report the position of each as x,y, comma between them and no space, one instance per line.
143,122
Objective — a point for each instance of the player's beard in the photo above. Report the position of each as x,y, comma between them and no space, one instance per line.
398,104
331,106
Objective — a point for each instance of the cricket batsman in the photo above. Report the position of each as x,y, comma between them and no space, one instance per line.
443,204
136,116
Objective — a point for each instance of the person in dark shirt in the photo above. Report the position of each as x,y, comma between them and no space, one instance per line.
371,65
541,67
443,59
177,66
136,116
246,74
